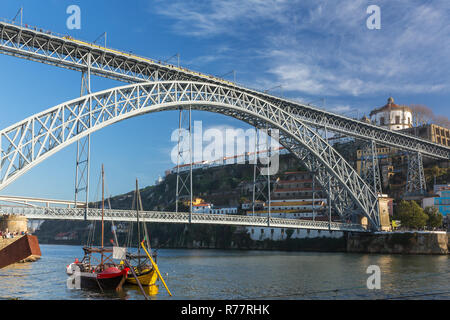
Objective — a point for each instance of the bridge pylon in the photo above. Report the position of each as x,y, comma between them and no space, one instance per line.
370,169
415,182
82,167
184,177
261,173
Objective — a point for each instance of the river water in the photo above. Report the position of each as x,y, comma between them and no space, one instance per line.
229,274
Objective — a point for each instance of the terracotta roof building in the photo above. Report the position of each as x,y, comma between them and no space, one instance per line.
392,116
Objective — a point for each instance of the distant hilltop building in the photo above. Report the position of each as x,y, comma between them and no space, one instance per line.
393,163
392,116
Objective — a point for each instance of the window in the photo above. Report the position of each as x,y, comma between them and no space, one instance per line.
397,119
382,121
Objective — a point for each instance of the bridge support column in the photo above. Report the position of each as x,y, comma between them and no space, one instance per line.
261,173
184,177
370,169
83,148
415,182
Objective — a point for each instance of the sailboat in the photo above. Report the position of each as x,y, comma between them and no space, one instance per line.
144,269
97,269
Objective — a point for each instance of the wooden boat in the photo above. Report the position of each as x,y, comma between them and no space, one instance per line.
97,269
147,277
142,267
84,276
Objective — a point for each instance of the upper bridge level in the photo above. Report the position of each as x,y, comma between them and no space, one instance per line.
63,51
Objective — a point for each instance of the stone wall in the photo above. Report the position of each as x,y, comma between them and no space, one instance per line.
13,223
399,242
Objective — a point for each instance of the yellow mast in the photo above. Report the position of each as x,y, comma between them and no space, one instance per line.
103,205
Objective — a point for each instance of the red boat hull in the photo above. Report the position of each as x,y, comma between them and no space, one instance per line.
110,279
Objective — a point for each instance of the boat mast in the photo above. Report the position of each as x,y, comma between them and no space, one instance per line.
137,216
103,206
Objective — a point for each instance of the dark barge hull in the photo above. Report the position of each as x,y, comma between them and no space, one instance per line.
90,281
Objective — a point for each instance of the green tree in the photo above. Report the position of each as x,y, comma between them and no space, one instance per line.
411,215
435,218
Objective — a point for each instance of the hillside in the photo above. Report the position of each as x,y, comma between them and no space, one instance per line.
223,186
220,185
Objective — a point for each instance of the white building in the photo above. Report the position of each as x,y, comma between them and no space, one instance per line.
224,210
392,116
202,208
277,234
209,208
291,209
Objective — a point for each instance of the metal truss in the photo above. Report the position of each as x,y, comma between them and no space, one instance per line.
41,213
184,178
261,181
370,169
30,141
69,53
415,182
82,167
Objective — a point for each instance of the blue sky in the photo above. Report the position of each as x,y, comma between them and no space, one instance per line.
316,50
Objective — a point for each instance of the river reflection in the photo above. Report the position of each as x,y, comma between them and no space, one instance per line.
233,274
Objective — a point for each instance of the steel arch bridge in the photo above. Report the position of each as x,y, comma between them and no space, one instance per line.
66,52
31,141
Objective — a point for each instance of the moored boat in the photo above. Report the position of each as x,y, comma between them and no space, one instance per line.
143,268
97,270
111,278
146,277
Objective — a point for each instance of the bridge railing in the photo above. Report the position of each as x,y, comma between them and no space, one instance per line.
177,217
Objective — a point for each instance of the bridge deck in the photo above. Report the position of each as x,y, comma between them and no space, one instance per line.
180,217
63,51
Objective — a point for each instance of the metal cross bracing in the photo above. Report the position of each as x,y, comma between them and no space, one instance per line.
28,142
66,52
261,173
43,213
370,169
415,182
82,168
184,157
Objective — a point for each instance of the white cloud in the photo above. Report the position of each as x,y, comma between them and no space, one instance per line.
324,47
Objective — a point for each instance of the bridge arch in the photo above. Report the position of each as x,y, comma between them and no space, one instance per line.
30,141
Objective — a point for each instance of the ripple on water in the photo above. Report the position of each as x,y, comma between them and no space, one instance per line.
227,274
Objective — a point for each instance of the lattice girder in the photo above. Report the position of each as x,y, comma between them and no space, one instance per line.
58,128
